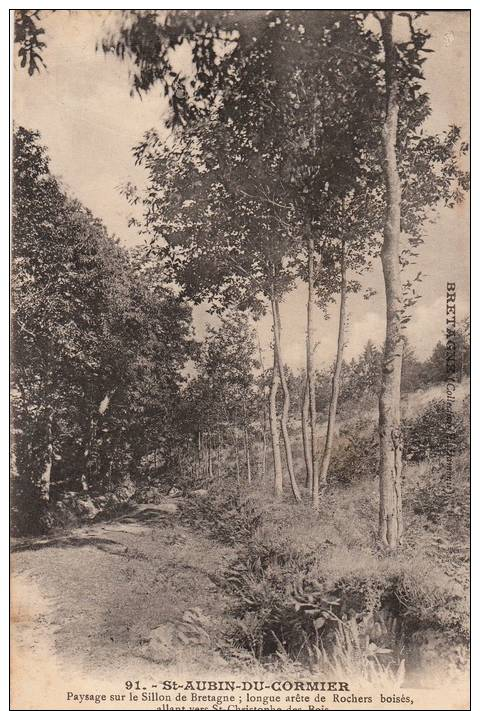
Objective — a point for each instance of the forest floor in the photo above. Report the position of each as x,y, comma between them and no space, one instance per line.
142,596
109,596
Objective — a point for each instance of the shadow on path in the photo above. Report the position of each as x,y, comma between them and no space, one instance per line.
159,514
66,542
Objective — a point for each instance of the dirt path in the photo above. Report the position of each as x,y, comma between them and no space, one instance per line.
114,595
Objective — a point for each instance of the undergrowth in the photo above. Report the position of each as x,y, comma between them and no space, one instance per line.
315,590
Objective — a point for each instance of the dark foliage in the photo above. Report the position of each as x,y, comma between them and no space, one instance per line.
227,512
98,346
439,431
355,456
290,603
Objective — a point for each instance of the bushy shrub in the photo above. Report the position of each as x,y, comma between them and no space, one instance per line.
259,580
33,516
442,497
227,512
292,603
355,456
438,431
29,513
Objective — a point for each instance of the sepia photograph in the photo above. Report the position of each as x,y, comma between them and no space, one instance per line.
240,359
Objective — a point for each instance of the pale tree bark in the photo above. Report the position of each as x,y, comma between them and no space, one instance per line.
198,463
104,405
218,453
235,446
286,399
221,444
312,473
306,435
210,456
202,458
264,412
205,454
86,454
247,454
180,464
246,444
277,457
200,454
263,469
101,411
390,472
46,477
332,410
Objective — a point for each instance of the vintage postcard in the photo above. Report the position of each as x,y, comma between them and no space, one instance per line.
240,359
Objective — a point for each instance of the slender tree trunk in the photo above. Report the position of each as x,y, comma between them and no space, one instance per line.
102,409
263,460
390,473
222,450
45,480
286,400
211,472
306,434
247,454
462,355
332,410
200,453
311,414
213,453
311,377
87,454
246,444
217,454
264,412
235,444
204,455
277,457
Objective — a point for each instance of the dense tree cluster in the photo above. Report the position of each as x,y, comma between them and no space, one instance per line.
305,169
99,343
295,151
361,376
